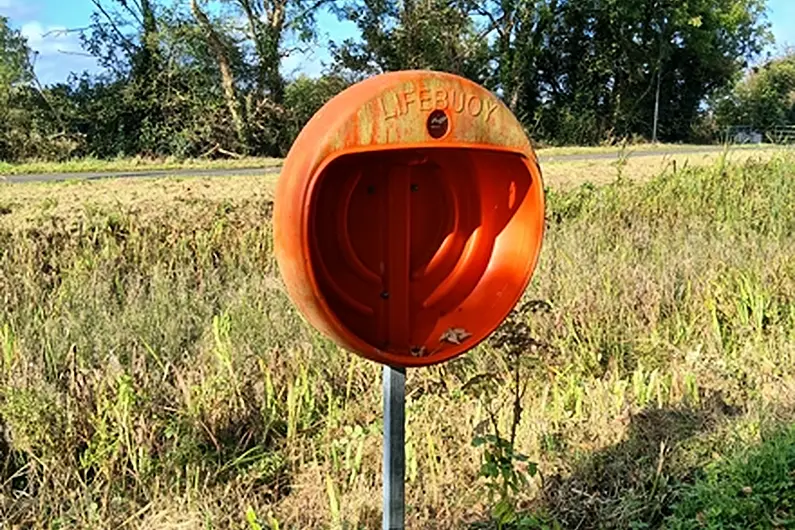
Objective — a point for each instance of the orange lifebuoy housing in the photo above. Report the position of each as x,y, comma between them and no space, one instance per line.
409,216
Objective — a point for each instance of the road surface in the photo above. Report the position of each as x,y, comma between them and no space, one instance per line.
581,157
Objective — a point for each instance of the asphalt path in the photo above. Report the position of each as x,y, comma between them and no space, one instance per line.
544,159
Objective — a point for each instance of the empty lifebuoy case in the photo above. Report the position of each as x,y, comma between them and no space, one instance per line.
409,216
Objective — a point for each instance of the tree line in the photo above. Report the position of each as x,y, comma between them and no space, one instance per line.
192,78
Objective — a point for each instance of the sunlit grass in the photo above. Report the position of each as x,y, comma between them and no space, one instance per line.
752,487
94,165
155,374
132,164
70,200
662,148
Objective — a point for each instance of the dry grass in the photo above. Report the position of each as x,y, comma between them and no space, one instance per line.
568,174
140,163
146,198
28,204
132,164
154,374
662,148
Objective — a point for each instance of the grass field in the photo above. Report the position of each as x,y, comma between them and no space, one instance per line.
133,164
140,163
72,200
154,374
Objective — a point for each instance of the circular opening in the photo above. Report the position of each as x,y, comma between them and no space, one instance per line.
438,123
400,270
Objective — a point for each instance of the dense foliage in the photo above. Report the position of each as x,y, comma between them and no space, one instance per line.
206,77
765,99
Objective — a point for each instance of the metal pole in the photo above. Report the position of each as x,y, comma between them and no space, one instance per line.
394,448
656,106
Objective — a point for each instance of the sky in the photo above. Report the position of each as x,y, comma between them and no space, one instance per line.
44,23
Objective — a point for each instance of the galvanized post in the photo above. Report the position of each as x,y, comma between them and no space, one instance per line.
394,448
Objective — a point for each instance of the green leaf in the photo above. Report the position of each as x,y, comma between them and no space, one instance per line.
251,517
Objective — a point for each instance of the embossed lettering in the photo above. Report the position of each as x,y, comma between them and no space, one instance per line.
441,99
425,100
388,115
476,109
394,105
454,98
490,108
408,98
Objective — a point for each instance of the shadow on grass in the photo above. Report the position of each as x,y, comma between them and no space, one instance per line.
632,484
629,484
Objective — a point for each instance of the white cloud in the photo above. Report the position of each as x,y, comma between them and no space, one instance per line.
58,52
49,39
17,9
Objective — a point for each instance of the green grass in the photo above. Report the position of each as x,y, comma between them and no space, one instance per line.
155,375
754,488
132,164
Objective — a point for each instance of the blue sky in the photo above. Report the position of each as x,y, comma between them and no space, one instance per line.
43,22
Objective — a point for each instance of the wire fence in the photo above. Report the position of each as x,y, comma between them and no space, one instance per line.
747,134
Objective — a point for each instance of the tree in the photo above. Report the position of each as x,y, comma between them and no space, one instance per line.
124,36
605,63
15,74
220,50
764,99
304,97
401,35
205,77
710,42
521,32
258,32
15,68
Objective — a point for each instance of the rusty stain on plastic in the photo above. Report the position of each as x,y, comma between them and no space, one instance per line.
409,217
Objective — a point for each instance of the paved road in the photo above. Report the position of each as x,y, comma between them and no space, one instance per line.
54,177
